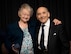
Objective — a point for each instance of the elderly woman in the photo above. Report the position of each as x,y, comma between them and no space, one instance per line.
20,34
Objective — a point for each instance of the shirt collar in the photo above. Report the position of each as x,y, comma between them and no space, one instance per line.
47,23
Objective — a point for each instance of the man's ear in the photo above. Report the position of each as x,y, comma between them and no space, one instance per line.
48,14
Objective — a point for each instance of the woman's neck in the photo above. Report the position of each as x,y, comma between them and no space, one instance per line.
22,24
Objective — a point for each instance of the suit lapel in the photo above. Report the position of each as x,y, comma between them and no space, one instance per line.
51,32
51,29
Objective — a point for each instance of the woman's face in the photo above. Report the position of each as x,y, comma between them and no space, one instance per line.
24,15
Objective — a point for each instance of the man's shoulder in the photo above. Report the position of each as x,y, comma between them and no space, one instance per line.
59,26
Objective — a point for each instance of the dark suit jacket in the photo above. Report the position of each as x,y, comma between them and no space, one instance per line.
57,40
15,34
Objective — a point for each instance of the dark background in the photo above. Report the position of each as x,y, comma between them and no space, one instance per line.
58,8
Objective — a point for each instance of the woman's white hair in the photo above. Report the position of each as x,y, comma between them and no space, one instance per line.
26,6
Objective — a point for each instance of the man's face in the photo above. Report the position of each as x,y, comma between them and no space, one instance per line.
42,14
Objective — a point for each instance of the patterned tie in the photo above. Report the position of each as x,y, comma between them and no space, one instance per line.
42,39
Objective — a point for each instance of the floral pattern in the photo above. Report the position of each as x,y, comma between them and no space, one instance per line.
27,45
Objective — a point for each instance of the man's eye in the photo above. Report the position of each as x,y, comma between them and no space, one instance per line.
38,14
44,12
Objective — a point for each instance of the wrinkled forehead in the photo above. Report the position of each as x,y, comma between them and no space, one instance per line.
42,9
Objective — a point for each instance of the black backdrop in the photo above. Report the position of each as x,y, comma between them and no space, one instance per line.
58,9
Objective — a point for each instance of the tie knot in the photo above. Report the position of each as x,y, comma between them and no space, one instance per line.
43,25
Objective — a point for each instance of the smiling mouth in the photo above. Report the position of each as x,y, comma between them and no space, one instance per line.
42,17
25,18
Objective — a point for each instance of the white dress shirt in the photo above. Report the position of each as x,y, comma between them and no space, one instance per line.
46,33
